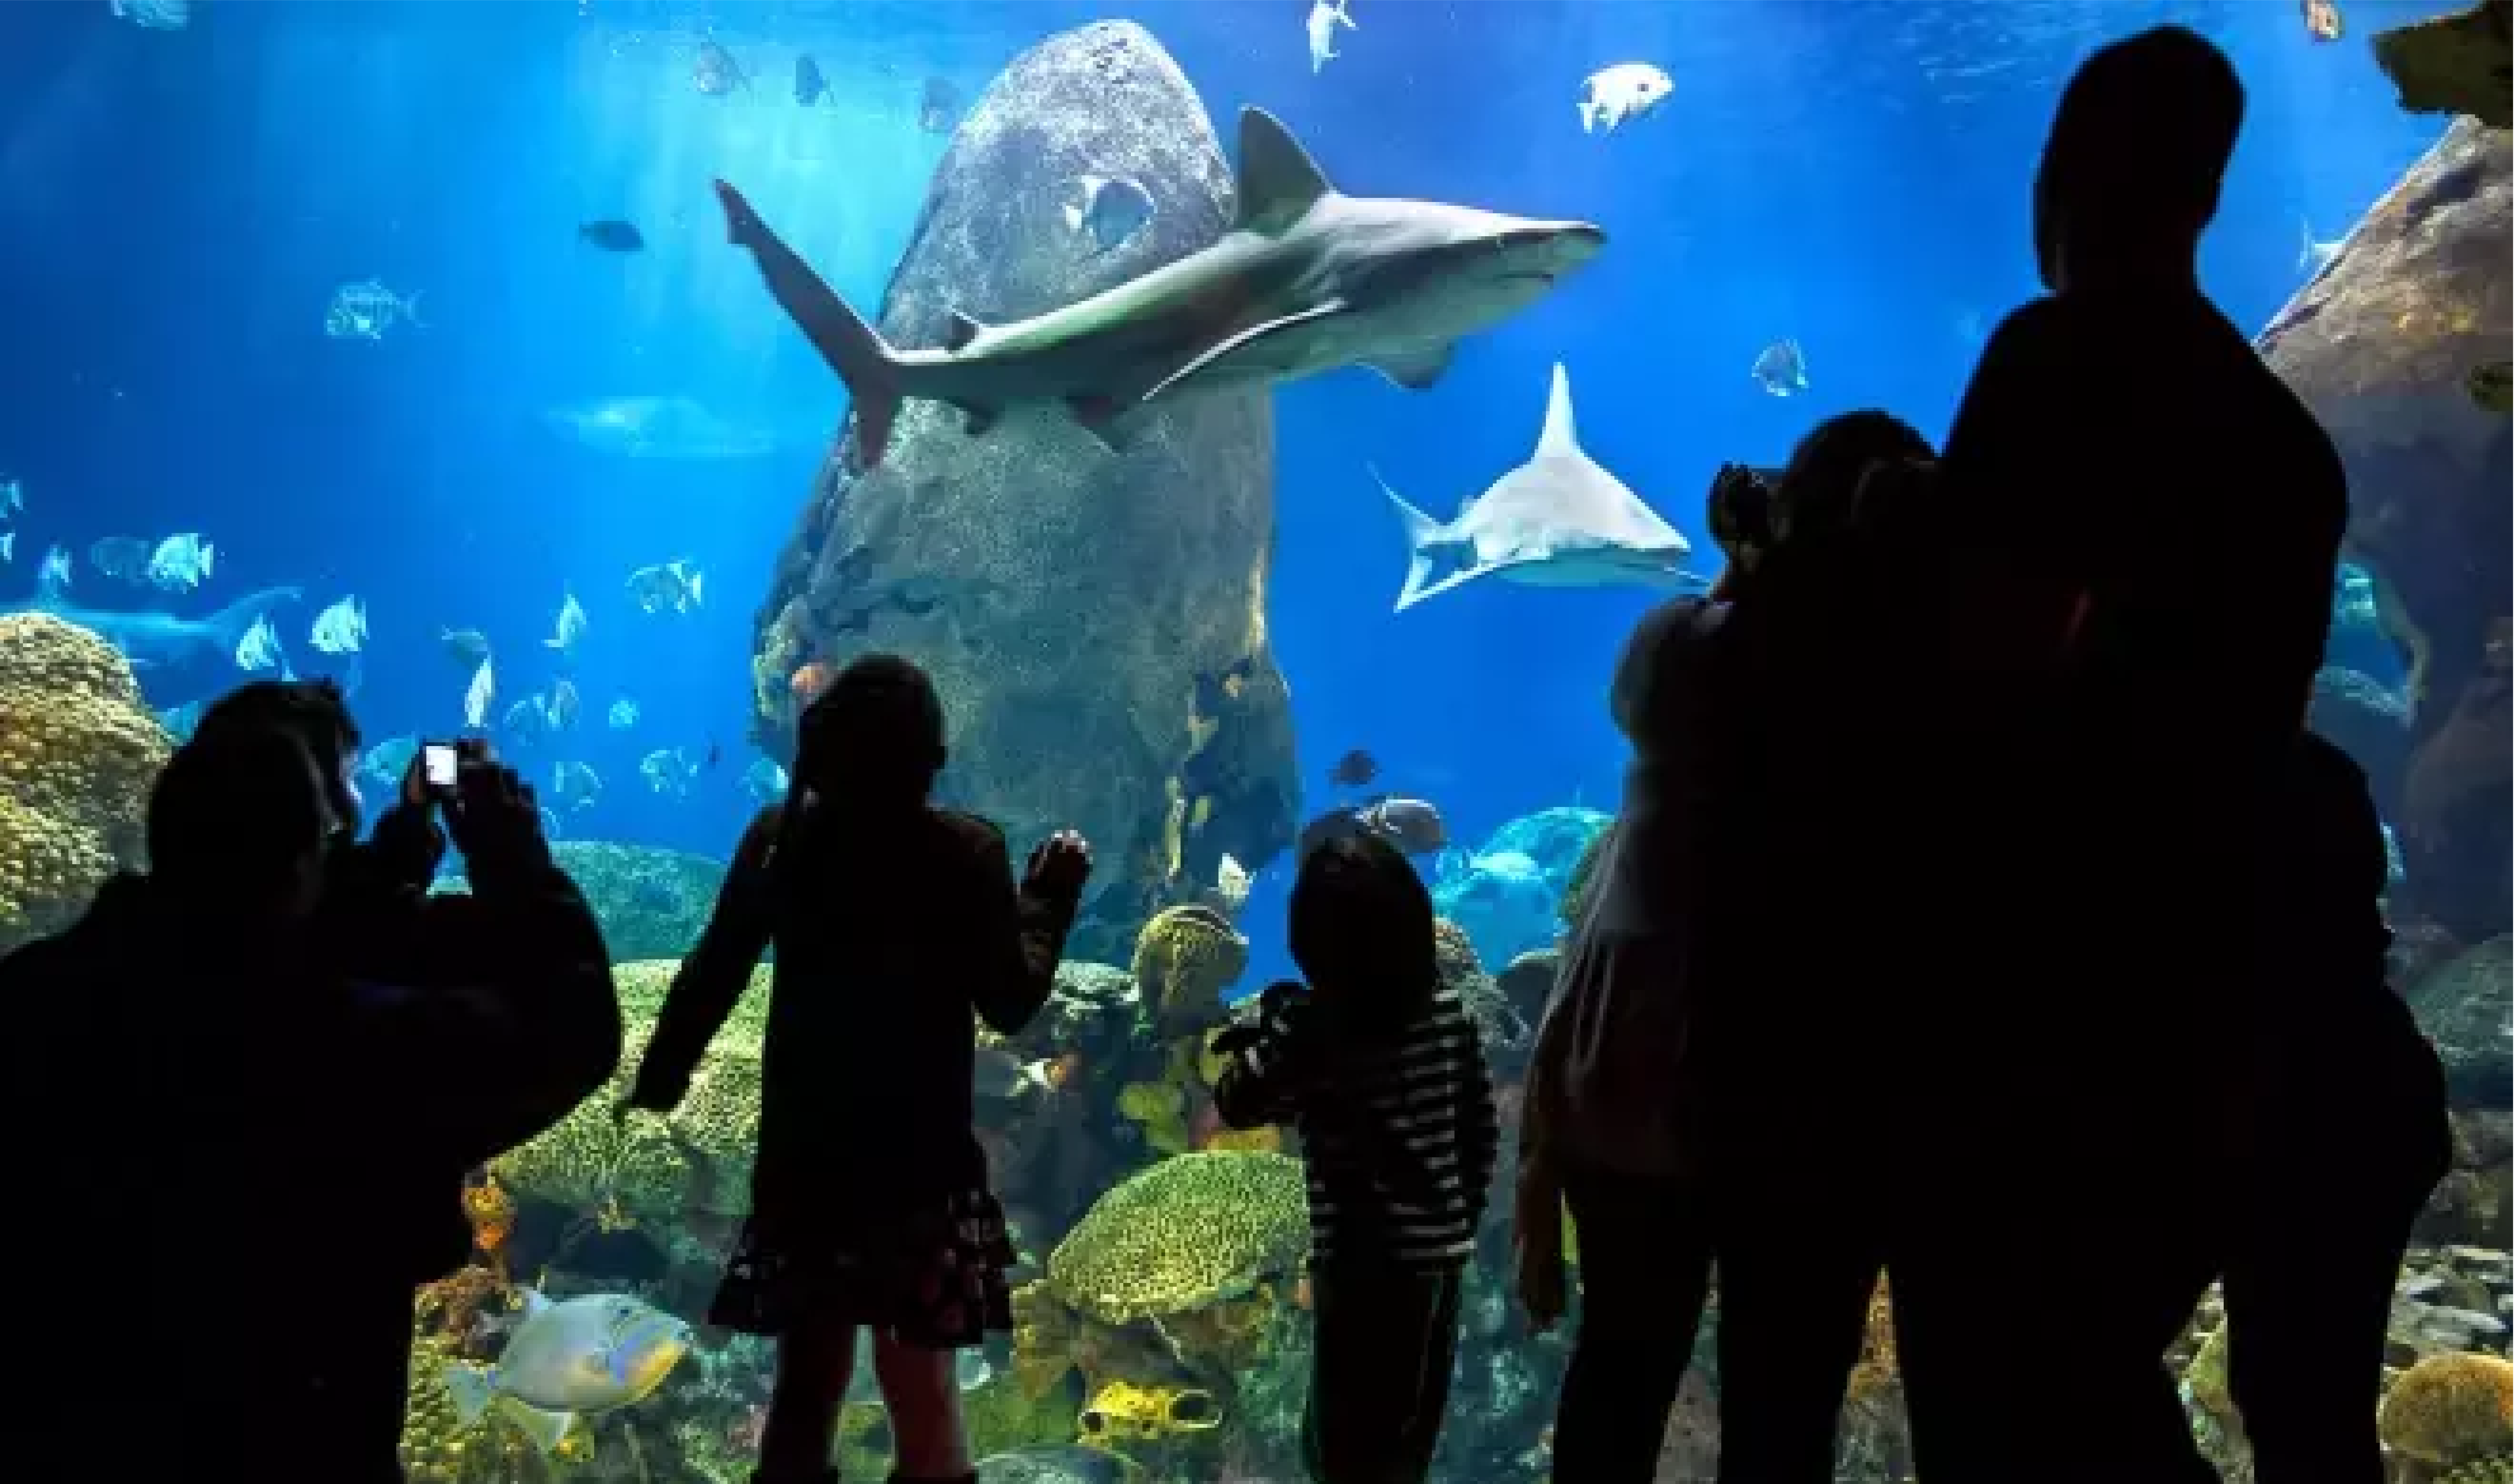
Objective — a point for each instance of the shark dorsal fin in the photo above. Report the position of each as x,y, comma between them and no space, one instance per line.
1560,435
963,329
1279,182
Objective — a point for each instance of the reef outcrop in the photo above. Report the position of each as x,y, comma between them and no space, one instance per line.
78,753
2383,346
1095,619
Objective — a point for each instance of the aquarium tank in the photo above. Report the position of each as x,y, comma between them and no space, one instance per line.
415,346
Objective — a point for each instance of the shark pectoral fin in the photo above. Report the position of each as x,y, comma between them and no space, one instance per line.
1416,369
1104,418
1246,340
963,329
975,421
1278,183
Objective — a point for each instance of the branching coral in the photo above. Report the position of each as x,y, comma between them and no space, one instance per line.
78,752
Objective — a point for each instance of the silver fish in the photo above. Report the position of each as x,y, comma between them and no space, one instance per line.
365,310
1781,369
592,1353
568,627
341,629
181,563
674,586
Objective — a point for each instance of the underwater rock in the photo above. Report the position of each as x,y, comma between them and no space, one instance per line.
79,750
1509,894
2458,63
1095,620
652,903
2380,346
2463,1008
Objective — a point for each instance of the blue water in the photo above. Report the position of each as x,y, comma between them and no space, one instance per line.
177,208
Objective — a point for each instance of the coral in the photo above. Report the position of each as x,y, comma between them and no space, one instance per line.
642,985
437,1448
652,903
1501,1027
1189,1231
2463,1008
2451,1409
1185,957
1161,1108
78,752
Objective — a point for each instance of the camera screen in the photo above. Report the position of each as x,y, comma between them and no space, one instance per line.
440,767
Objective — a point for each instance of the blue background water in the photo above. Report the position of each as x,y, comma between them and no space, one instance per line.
177,208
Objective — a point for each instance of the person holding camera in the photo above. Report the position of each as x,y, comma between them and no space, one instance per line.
896,924
1377,1065
228,1111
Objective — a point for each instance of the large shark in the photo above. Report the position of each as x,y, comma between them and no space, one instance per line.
158,640
1559,520
1305,280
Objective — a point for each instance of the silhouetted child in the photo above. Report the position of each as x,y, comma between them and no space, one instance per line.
1380,1069
2344,1139
895,923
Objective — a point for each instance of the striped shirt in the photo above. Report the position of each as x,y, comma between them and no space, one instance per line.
1399,1132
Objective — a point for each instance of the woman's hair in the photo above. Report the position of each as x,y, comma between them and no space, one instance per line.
875,736
1362,929
1818,494
237,811
314,711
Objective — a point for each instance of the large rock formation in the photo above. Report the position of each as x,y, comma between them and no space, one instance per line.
2383,346
1095,620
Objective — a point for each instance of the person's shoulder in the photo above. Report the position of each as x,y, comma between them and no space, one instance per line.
2032,323
976,833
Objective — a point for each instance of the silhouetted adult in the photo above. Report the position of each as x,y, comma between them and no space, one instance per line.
2150,524
2343,1139
894,923
229,1117
1813,915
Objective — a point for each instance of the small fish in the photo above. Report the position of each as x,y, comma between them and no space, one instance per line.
613,235
53,577
550,822
1324,16
624,714
2491,385
668,770
765,781
1231,882
124,558
564,704
2322,20
592,1353
387,763
181,721
1355,770
672,584
341,629
365,310
714,753
13,497
1616,95
153,15
527,721
476,697
568,627
8,546
2312,255
468,646
575,784
1110,209
181,562
810,87
1002,1076
1781,369
718,73
938,107
259,649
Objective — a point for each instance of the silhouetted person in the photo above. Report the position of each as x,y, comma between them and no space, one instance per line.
230,1117
1813,920
897,926
2344,1139
1377,1065
2150,525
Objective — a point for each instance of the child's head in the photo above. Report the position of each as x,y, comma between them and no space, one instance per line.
875,735
1361,925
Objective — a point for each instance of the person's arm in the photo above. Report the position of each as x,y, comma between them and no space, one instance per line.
1261,1083
1629,698
717,972
1480,1120
1020,932
2014,600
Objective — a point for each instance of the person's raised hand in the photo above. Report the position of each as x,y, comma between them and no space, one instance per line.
492,811
1059,867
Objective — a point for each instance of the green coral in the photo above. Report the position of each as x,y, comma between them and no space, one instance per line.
1187,1231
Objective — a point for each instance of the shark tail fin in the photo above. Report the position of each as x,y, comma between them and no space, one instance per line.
234,620
854,350
1423,541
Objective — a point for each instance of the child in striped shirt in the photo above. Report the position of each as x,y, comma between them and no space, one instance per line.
1377,1066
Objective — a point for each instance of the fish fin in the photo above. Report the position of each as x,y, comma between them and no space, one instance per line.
1589,113
1253,335
1562,435
1278,181
854,350
1344,12
963,329
1424,538
547,1430
232,622
410,310
208,559
1416,369
698,588
1101,418
533,1299
471,1387
975,421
